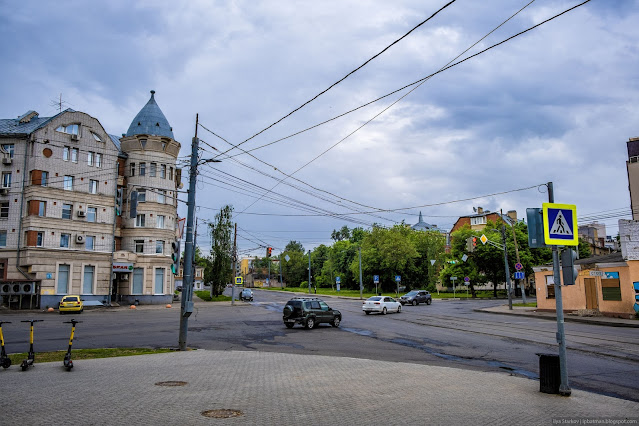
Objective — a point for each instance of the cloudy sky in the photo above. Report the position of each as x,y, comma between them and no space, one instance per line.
555,104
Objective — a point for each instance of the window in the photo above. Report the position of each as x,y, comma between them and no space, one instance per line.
39,239
4,209
611,286
138,280
67,211
71,129
98,160
481,220
89,242
42,208
92,214
93,186
68,183
87,279
159,247
96,137
141,195
159,281
550,287
170,173
8,148
6,180
162,197
66,153
160,222
64,240
139,220
143,143
163,171
3,240
90,158
74,155
142,169
139,246
44,179
153,170
63,278
132,169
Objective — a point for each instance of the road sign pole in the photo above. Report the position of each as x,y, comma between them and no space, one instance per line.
564,389
503,237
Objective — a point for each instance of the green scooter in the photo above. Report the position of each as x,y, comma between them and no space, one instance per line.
5,361
68,363
31,357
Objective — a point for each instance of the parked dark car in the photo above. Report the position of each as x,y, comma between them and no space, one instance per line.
310,311
246,294
415,297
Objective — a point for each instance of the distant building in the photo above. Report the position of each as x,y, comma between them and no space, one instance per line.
478,221
632,166
423,226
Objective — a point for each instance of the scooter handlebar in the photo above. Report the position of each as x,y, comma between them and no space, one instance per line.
31,320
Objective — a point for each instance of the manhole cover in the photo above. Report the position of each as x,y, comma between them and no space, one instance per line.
222,413
171,383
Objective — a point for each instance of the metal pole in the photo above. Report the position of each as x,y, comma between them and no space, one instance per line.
186,307
503,238
269,272
523,290
234,266
361,284
309,272
280,262
564,388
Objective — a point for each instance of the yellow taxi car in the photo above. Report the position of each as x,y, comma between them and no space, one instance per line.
71,303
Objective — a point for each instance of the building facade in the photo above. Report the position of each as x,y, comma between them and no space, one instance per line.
61,228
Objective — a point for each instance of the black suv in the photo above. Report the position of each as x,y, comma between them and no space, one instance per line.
310,311
416,297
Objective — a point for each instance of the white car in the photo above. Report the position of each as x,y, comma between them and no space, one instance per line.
381,304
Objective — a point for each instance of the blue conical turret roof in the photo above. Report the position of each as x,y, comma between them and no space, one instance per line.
150,121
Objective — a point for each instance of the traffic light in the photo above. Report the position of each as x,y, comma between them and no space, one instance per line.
175,257
474,243
269,250
568,269
471,244
118,202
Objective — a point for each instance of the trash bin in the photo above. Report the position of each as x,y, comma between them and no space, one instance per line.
549,374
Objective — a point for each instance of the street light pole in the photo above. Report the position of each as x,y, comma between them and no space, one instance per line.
503,237
309,272
361,284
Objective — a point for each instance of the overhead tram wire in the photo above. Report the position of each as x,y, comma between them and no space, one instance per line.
345,77
420,80
447,66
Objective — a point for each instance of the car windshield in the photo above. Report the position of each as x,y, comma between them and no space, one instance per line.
412,293
375,298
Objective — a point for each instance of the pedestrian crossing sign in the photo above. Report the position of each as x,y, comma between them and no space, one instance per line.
560,224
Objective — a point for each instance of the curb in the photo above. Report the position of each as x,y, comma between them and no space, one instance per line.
567,318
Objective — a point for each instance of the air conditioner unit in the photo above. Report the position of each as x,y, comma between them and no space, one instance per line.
79,239
7,160
5,289
81,213
27,288
4,191
74,137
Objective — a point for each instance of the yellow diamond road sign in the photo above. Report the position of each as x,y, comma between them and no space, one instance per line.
483,239
560,224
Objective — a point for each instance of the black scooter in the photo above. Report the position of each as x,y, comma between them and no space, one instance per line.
5,361
31,357
68,363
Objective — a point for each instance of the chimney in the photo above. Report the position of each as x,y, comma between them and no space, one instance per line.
513,215
480,210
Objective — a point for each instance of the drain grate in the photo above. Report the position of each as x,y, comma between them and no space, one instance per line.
171,383
222,413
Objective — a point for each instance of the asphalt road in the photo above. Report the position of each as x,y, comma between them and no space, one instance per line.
447,333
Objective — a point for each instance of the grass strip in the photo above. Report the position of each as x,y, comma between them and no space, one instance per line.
55,356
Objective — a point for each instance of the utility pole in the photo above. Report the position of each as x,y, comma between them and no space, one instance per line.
280,262
503,237
361,284
186,307
234,260
564,389
523,290
309,272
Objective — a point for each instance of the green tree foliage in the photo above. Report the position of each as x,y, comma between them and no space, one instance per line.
220,272
584,249
294,246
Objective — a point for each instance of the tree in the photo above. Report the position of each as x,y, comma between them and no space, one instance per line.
294,246
221,271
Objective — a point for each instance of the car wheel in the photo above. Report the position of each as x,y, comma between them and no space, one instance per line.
399,308
384,311
429,301
367,312
336,322
414,303
289,324
310,323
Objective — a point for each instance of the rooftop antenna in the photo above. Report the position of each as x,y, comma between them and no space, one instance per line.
59,103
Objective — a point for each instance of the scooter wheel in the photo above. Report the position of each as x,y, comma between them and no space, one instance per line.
6,363
24,366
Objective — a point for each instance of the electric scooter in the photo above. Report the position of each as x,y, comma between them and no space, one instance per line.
31,357
5,361
68,363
